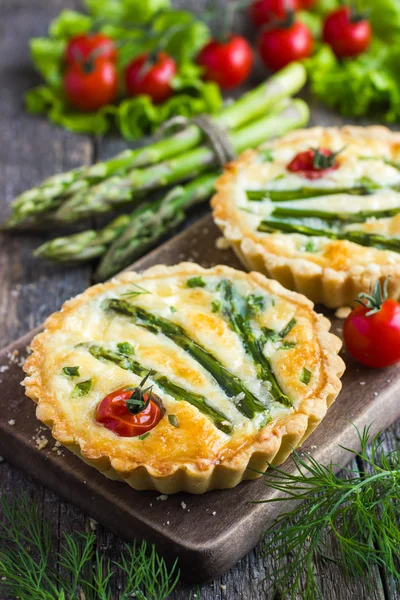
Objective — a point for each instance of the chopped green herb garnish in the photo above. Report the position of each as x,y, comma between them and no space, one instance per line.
215,306
310,246
173,420
137,402
126,348
270,335
287,345
71,371
82,389
172,309
266,155
305,376
194,282
255,303
138,291
288,328
144,435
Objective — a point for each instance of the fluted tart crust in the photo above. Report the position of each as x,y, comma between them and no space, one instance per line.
275,219
277,354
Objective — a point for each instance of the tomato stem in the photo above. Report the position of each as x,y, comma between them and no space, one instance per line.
378,294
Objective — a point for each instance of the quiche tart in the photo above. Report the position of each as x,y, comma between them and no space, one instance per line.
318,210
183,378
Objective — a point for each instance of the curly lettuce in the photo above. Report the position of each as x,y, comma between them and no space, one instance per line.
370,83
181,35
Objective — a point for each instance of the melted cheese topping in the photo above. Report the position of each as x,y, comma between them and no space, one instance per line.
362,159
196,440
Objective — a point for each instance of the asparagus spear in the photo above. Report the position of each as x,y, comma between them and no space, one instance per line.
144,226
337,219
85,245
151,222
132,234
116,191
235,308
311,192
362,238
54,190
246,402
177,392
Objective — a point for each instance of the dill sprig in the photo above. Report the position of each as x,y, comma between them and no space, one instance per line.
25,572
361,512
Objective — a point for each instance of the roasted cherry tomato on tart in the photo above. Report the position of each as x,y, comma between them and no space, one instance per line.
314,163
372,330
130,412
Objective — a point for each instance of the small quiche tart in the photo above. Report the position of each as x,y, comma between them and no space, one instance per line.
318,210
183,378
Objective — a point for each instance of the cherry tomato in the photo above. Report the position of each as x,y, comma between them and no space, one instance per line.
347,32
90,85
264,12
151,78
282,45
313,164
227,63
372,331
113,413
97,45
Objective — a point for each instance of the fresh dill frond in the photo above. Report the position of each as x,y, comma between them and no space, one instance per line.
26,573
137,290
361,511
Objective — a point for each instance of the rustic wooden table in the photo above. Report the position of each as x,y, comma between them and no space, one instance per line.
31,149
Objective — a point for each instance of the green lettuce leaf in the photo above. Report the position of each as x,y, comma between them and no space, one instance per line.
139,115
47,56
68,24
368,84
385,18
46,100
134,117
136,11
178,32
181,35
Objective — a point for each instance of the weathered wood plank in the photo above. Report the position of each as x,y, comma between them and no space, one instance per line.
31,149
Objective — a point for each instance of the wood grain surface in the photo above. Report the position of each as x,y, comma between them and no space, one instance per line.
31,149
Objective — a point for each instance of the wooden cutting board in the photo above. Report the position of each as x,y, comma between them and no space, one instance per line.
208,533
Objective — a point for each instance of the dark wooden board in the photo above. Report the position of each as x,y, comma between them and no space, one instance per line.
209,533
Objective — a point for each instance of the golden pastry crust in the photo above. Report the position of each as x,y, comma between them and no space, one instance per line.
342,269
174,459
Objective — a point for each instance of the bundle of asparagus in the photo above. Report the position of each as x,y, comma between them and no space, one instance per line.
263,113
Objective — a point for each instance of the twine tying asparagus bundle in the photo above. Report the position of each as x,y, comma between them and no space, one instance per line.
263,113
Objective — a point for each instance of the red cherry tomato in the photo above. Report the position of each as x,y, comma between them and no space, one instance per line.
305,163
227,63
282,45
112,412
264,12
374,339
152,79
346,32
90,85
97,45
